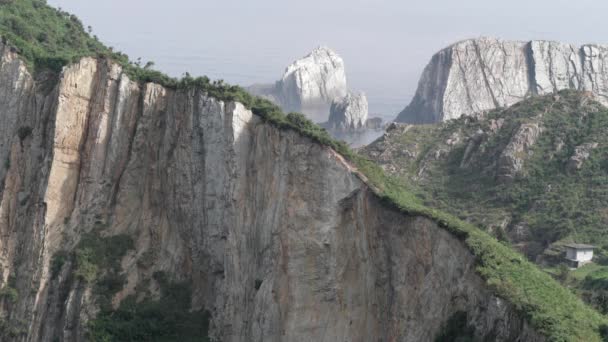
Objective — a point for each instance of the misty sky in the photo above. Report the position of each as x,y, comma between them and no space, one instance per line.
385,43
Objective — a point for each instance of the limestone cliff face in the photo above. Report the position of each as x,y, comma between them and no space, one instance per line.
279,237
476,75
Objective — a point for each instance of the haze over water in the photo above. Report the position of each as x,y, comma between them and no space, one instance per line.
385,43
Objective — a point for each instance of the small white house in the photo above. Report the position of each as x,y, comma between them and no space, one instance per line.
579,254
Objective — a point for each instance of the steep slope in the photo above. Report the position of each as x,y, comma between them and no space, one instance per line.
136,211
477,75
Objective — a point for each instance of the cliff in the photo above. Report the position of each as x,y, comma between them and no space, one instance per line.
477,75
132,210
277,237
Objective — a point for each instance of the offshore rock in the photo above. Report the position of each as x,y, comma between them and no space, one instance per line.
309,85
348,113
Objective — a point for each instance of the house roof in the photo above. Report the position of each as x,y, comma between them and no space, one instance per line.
579,246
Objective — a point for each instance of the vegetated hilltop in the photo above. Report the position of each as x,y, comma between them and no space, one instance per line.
147,211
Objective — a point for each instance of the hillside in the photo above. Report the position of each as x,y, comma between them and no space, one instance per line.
535,174
140,211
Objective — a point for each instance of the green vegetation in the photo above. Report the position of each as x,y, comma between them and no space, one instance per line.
9,293
12,330
57,262
548,197
95,254
166,319
46,38
552,309
97,261
572,208
49,39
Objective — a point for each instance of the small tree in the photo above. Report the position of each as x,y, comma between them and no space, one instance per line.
564,275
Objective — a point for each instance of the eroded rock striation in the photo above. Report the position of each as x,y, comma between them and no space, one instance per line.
477,75
278,237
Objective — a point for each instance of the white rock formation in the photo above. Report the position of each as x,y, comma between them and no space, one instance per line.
348,113
309,85
476,75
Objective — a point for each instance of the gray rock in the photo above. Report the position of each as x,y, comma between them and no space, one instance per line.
511,161
581,154
374,123
477,75
348,113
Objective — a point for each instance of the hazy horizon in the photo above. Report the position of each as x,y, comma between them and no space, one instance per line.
385,43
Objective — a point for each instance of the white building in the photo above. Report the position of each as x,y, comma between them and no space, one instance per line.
578,254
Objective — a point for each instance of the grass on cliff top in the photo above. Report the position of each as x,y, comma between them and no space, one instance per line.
49,39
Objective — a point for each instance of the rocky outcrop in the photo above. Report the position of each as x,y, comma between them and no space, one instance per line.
511,160
477,75
278,237
581,154
309,85
348,113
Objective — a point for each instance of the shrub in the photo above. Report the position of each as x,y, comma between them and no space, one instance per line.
169,318
57,263
9,293
23,132
86,265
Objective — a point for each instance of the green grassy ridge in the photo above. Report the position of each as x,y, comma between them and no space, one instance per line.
551,309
